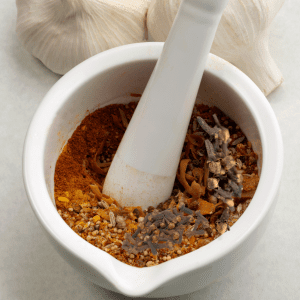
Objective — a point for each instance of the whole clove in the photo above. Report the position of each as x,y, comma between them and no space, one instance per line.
129,238
196,232
136,233
225,147
225,194
186,210
210,150
237,189
211,131
237,141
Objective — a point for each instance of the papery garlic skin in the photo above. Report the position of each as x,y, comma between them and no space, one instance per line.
160,18
63,33
241,38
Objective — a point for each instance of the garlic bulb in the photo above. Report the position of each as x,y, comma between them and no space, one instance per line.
160,17
63,33
241,38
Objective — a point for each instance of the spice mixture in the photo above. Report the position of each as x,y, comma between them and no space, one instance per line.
216,180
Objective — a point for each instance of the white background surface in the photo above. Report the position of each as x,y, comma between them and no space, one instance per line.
31,269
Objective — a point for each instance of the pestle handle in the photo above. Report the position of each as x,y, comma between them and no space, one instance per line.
144,168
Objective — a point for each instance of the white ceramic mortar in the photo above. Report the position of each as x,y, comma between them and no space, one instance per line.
109,78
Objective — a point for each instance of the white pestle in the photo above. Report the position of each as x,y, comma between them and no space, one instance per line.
143,170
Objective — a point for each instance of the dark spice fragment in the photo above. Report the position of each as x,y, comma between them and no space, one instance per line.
237,189
156,230
225,194
210,151
152,248
196,232
211,131
222,223
186,210
129,238
136,233
225,215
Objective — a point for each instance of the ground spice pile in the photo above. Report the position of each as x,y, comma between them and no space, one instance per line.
216,180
